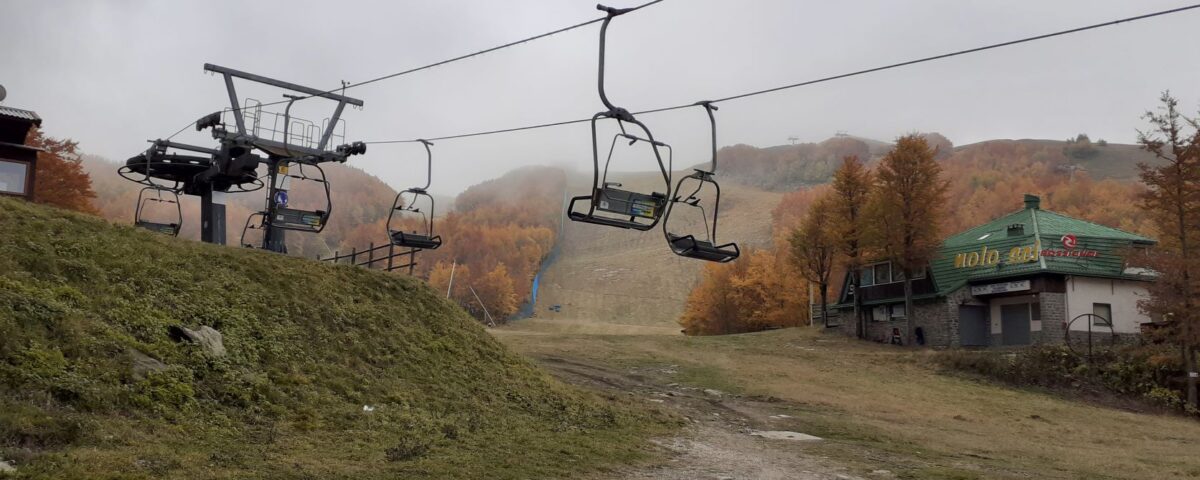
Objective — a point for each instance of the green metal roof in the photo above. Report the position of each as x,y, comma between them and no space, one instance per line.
1022,253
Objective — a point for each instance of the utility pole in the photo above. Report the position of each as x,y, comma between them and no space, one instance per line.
486,315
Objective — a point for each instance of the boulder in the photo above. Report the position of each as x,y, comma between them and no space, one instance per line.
206,337
143,364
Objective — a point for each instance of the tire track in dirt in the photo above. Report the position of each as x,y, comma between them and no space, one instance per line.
718,444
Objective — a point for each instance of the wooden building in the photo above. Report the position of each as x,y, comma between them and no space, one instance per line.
1022,279
18,162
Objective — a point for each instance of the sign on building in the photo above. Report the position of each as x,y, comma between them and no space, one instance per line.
1006,287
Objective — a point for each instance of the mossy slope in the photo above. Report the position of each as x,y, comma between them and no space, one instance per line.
309,345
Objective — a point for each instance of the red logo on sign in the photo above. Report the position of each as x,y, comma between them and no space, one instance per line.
1069,241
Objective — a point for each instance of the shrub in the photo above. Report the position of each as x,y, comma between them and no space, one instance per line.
1137,372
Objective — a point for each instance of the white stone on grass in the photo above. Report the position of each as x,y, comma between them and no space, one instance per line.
785,435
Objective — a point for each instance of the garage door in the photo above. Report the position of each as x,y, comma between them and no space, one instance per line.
973,326
1014,324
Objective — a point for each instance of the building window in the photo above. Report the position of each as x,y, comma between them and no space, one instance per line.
899,275
1103,314
12,177
867,276
884,313
883,272
879,313
1035,312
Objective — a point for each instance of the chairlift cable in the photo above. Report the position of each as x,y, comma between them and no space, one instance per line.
830,78
345,85
185,127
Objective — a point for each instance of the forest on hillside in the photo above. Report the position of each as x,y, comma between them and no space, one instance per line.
787,168
790,167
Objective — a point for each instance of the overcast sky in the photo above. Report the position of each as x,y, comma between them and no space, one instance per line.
113,74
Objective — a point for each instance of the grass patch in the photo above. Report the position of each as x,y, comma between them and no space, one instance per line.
881,407
308,346
706,376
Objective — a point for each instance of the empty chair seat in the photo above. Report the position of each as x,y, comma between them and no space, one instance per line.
165,228
416,240
689,246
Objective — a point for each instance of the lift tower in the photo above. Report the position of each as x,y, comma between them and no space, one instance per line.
232,166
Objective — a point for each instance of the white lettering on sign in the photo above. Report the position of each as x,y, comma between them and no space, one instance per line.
1017,286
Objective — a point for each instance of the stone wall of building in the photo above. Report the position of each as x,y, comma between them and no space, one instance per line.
1054,314
934,317
938,318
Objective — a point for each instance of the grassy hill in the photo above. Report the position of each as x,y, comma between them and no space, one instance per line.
93,385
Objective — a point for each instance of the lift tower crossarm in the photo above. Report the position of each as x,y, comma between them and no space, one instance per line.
229,74
281,84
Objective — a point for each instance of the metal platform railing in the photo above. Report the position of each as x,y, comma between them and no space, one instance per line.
268,125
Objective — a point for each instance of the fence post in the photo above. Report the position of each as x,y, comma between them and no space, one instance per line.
335,257
353,256
391,246
371,256
412,261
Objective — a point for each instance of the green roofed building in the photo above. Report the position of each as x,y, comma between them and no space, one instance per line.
1017,280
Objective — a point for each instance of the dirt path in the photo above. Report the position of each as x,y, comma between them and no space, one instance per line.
720,444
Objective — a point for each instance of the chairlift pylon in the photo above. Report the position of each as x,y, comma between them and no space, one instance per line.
140,216
426,240
609,203
688,245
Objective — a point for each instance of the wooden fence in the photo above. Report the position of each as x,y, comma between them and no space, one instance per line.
384,257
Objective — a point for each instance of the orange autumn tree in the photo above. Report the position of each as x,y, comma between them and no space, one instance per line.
1172,201
813,248
851,187
60,179
497,293
758,291
906,211
711,307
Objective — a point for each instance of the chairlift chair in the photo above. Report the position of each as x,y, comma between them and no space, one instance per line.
140,216
688,245
283,216
425,240
609,203
251,225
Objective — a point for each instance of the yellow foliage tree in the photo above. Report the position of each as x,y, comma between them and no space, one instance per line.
906,211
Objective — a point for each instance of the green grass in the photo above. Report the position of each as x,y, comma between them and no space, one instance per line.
309,345
882,407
